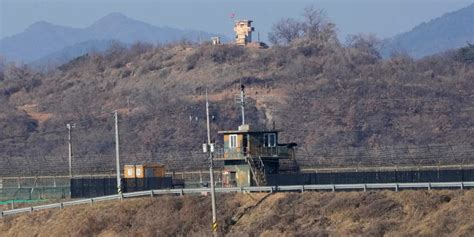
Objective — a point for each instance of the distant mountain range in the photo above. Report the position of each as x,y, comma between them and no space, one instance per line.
452,30
70,52
45,42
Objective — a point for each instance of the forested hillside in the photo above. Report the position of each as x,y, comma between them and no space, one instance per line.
323,95
449,31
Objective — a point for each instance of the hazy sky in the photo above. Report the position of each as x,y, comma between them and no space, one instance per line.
383,17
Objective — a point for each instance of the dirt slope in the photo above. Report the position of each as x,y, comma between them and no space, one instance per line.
407,213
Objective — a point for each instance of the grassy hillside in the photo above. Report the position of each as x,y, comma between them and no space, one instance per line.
325,96
407,213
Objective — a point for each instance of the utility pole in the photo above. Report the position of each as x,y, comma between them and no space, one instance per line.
69,127
242,102
210,150
117,154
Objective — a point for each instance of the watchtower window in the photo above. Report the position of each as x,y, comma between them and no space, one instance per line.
233,141
269,140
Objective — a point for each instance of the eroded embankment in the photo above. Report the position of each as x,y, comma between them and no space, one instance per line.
406,213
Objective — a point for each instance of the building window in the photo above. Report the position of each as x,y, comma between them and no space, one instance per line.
233,141
269,140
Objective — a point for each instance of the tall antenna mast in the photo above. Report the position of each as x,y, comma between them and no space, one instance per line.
242,101
210,150
117,154
69,127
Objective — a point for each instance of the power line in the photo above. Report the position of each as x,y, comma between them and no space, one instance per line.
303,96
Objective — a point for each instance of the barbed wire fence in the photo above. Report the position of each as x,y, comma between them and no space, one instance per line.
41,159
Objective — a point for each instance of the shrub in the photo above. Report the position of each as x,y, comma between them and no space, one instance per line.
226,53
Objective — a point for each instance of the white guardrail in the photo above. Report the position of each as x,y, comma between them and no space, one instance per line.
290,188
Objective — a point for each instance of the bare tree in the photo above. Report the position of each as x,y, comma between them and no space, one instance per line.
364,41
140,48
467,53
315,21
285,31
366,44
315,25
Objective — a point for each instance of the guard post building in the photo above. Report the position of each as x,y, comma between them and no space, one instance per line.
250,155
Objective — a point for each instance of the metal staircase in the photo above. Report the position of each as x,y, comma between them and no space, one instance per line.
257,168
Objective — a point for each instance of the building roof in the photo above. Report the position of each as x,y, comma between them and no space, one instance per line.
244,20
245,128
144,163
249,131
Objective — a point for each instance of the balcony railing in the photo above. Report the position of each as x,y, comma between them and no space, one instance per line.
280,151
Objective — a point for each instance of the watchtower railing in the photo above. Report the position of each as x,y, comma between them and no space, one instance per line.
285,151
281,151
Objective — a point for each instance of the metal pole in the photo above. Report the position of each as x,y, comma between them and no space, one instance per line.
211,172
242,103
117,154
70,149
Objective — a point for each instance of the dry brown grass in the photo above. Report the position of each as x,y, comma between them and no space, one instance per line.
31,110
407,213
